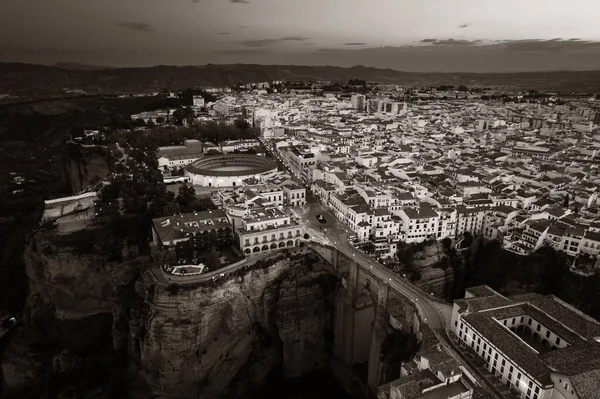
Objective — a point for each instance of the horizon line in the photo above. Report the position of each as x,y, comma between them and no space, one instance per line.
108,67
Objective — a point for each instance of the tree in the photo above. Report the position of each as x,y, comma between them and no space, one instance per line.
463,88
369,247
186,196
566,201
467,240
178,172
241,124
398,347
160,120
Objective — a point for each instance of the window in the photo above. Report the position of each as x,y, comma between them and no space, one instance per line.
557,341
548,334
521,319
529,321
566,385
539,327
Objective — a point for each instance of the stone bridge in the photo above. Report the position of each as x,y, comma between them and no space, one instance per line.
373,303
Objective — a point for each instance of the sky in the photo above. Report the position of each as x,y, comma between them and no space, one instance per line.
409,35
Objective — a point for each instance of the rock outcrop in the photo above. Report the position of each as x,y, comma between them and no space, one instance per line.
74,309
103,328
434,266
227,337
83,166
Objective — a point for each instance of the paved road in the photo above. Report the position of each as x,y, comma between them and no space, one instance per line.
436,313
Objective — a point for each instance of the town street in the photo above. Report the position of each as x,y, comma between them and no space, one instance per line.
435,312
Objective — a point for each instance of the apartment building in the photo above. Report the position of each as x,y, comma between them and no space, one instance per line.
358,102
301,163
469,220
420,224
294,195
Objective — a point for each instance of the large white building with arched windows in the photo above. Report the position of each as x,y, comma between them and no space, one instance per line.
268,229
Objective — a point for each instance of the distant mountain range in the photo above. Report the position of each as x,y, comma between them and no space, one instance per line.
20,82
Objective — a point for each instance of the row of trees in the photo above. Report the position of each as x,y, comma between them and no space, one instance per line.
159,136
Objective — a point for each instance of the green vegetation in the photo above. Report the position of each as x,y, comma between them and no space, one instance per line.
406,255
399,346
160,136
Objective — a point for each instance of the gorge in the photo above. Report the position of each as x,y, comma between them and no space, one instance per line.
121,329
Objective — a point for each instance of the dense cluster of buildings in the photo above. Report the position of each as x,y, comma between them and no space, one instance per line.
524,174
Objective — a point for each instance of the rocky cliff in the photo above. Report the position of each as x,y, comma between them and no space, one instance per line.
71,321
226,338
83,166
434,265
103,329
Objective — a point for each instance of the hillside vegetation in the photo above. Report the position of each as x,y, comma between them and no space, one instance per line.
26,81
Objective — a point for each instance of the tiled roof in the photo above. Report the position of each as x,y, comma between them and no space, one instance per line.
573,318
174,227
586,384
509,344
481,291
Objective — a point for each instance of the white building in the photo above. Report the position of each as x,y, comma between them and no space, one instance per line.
420,224
267,229
538,346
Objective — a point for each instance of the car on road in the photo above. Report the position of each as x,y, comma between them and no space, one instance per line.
321,219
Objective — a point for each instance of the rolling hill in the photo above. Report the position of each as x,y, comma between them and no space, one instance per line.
19,82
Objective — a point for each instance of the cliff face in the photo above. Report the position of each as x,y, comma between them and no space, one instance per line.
83,166
225,338
72,322
434,265
112,329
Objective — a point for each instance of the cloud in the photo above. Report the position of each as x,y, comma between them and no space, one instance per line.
243,27
334,50
551,46
137,26
223,33
465,25
355,44
196,1
269,42
243,52
450,42
239,1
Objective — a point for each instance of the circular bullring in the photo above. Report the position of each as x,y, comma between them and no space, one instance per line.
226,170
